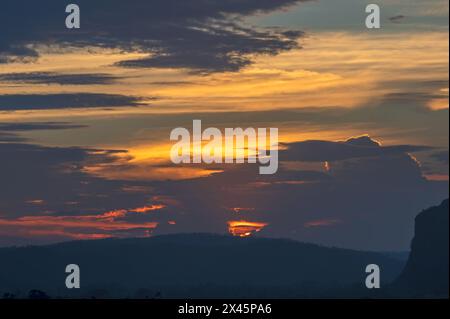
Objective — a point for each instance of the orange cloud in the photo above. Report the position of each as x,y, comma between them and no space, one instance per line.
437,177
244,228
104,222
105,225
242,209
68,234
322,223
147,209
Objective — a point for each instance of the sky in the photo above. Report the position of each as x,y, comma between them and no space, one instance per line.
86,116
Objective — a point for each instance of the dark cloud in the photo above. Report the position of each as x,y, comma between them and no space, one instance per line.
10,137
55,177
56,78
17,127
362,199
7,128
47,196
441,156
219,49
171,83
205,35
413,86
13,102
398,18
408,97
323,151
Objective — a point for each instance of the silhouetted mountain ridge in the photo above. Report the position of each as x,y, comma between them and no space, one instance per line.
186,261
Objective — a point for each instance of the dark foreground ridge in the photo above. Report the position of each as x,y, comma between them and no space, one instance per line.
191,266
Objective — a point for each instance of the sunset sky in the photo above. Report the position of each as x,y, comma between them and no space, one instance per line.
86,115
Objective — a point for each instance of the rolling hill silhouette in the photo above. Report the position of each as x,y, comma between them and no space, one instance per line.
195,265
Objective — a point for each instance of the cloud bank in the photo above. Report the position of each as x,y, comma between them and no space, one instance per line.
203,35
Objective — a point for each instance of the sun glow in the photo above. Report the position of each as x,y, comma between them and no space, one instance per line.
245,228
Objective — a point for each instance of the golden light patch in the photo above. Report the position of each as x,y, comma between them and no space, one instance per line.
245,228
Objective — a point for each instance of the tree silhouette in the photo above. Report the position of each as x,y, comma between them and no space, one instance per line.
37,294
9,296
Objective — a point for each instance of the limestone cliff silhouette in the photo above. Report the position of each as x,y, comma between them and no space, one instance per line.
426,272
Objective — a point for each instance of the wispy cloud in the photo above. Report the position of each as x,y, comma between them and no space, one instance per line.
14,102
58,78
